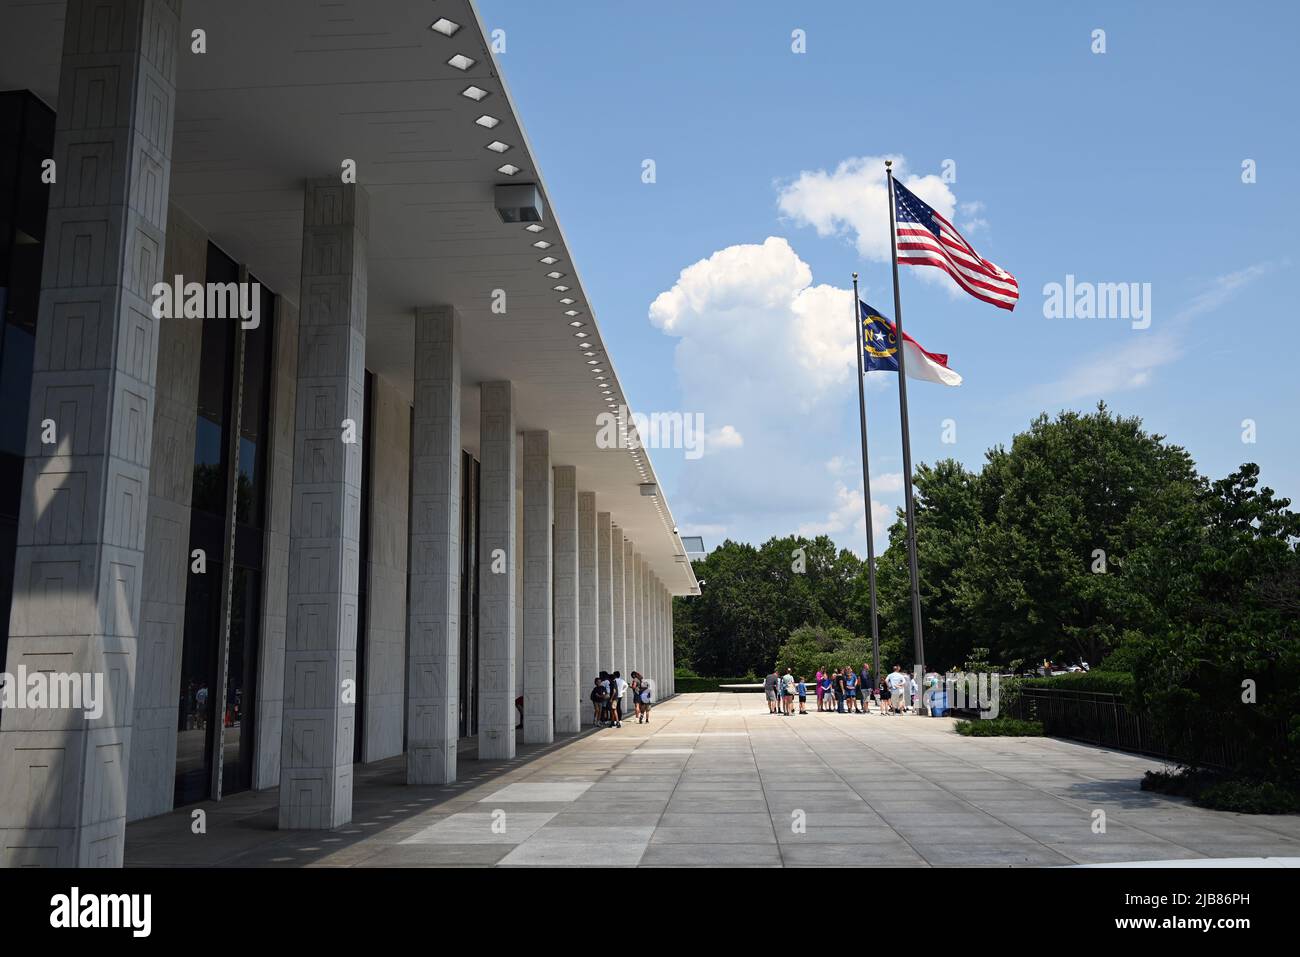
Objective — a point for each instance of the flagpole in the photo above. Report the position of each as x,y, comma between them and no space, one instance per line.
866,481
917,637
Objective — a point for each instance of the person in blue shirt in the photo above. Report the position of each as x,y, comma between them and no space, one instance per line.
802,688
851,690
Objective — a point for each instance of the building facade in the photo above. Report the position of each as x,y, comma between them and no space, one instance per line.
301,454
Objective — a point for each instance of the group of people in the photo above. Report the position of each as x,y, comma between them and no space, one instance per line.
843,690
607,695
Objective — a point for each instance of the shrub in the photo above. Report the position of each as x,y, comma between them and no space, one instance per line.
1224,793
1000,728
1106,682
697,685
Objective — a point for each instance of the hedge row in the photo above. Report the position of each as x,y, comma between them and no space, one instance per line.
694,684
1105,682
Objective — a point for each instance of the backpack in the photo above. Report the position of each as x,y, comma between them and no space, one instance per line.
645,694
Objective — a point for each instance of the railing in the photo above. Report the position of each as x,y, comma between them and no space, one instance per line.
1105,720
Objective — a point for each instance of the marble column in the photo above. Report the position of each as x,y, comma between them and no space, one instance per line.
605,577
631,635
617,583
78,567
433,665
496,629
539,590
567,658
589,583
667,600
324,552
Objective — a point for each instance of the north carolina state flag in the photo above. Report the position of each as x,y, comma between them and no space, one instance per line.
880,351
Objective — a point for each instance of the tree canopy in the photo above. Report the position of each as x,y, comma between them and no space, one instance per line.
1086,532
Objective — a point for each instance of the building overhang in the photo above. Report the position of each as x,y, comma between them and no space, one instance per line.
291,90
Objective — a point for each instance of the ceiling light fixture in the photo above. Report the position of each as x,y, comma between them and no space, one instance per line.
560,288
496,146
566,301
548,260
555,275
577,324
509,169
541,244
534,227
487,122
461,62
444,26
477,94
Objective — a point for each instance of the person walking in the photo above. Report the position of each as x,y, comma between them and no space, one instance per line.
770,690
634,686
646,698
897,689
787,693
617,688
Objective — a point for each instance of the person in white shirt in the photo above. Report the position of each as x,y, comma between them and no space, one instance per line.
618,688
897,682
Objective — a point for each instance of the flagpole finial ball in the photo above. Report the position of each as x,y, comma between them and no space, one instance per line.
888,164
855,275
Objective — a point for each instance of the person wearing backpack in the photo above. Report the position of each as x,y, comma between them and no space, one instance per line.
617,688
598,698
645,697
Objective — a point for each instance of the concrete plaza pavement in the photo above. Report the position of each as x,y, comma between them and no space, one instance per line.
714,780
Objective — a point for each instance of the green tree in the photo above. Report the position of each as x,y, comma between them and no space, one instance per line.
1082,530
1227,667
753,598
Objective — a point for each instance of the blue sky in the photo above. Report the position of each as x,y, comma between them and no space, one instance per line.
1124,166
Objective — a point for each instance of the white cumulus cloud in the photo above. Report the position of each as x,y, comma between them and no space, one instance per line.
854,198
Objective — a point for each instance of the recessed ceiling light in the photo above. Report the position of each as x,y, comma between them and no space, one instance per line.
509,169
461,62
573,312
592,362
589,354
477,94
597,370
541,244
560,288
548,260
581,335
599,376
566,301
444,26
496,146
555,275
534,227
577,324
487,122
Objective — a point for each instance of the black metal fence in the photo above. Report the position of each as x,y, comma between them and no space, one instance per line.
1105,720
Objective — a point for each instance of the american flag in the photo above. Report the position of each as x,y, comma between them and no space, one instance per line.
927,239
